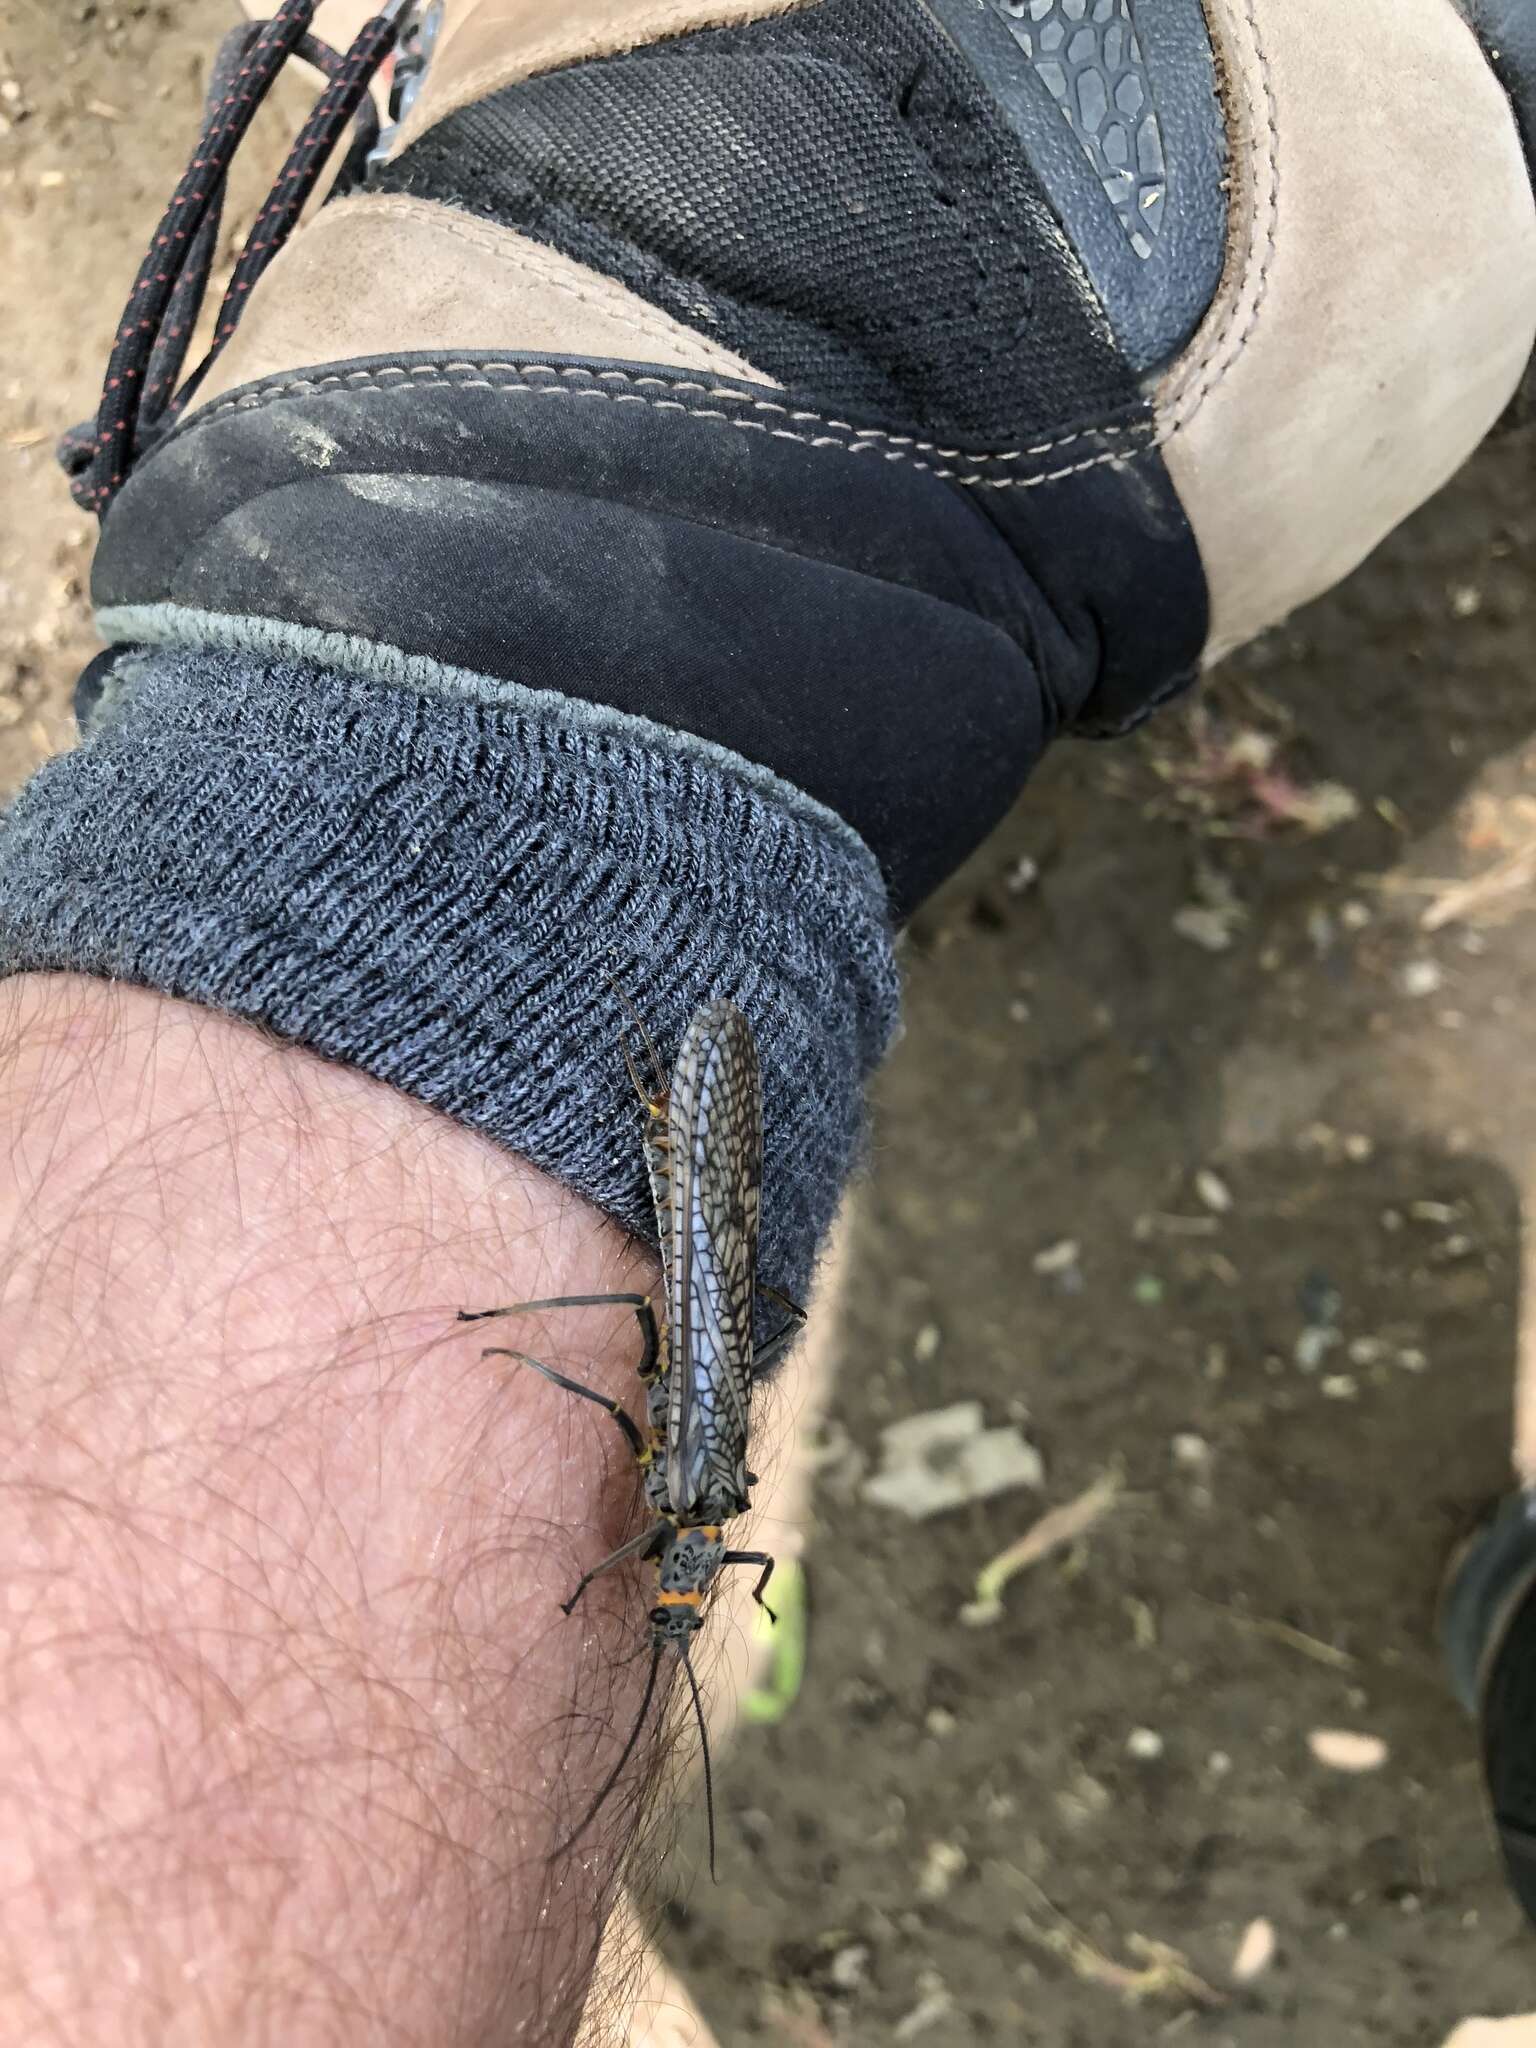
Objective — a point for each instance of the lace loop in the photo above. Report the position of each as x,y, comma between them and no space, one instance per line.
140,398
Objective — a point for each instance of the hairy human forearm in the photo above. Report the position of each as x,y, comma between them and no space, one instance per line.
290,1723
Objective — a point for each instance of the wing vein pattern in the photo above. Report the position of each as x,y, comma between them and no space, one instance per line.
715,1125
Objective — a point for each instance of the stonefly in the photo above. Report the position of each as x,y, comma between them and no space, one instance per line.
703,1139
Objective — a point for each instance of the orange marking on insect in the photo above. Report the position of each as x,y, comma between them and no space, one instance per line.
692,1598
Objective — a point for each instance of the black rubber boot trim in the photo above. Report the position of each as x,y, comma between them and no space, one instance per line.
1507,31
1508,1718
1117,108
1488,1632
1490,1578
833,193
828,602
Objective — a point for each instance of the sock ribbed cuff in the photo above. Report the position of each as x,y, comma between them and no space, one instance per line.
438,887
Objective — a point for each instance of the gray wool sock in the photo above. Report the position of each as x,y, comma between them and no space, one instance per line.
437,886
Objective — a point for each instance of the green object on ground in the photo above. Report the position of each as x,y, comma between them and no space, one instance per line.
770,1701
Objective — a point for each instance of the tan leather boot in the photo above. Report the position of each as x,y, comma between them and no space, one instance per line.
1375,309
1155,320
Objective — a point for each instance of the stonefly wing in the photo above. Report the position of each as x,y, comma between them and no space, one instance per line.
715,1123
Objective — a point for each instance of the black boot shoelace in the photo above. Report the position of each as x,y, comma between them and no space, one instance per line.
141,398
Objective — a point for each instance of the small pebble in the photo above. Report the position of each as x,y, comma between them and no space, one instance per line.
940,1721
1466,600
1145,1744
1421,978
1342,1749
1255,1952
926,1343
1355,916
1083,1801
1211,930
1148,1290
935,2005
1058,1257
1314,1345
1022,876
849,1967
1412,1360
1340,1386
1213,1191
1219,1764
1367,1351
1143,1623
942,1865
1189,1449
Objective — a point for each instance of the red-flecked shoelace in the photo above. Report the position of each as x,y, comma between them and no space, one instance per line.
140,399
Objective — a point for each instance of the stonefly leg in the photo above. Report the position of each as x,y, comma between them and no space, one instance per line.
755,1557
793,1325
614,1408
637,1546
645,1316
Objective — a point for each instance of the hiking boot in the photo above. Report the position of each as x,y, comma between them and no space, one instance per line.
945,377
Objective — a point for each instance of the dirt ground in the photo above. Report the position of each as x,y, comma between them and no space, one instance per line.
1202,1158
